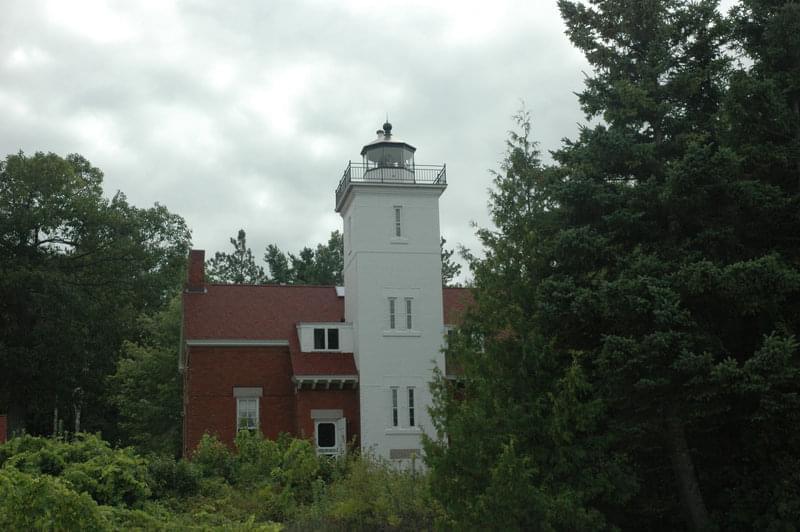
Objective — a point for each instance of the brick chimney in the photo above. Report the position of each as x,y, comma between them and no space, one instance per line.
197,276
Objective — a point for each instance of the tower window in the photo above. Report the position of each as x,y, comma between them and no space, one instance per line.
395,421
411,422
392,312
409,318
398,221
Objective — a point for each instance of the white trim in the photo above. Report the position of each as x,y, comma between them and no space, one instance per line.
353,378
237,343
239,418
245,391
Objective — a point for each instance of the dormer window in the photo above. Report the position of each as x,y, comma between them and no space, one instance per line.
326,339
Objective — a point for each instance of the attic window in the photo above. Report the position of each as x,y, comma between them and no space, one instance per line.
326,339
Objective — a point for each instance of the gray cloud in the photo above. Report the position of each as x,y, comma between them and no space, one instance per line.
244,114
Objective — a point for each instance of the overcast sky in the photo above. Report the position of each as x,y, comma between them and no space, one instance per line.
243,114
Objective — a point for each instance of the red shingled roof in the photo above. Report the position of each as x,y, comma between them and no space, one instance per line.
455,302
272,312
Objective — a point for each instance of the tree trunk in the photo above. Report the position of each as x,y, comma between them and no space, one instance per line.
17,416
77,417
691,498
55,420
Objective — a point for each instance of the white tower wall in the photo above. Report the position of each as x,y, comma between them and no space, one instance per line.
379,266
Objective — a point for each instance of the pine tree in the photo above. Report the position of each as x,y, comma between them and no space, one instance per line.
238,267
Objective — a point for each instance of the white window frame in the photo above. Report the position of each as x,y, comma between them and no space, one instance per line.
397,226
335,449
392,313
411,407
239,411
326,339
395,410
409,304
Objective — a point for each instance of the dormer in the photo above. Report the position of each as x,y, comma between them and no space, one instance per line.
322,337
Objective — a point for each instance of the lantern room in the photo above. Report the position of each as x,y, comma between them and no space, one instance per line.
388,152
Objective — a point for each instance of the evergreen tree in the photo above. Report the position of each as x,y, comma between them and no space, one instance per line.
320,266
521,446
238,267
657,266
450,269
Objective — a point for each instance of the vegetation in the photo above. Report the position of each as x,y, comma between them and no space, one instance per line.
76,269
82,483
323,265
632,359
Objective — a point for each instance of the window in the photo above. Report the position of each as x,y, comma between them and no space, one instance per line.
411,422
326,339
398,219
319,338
409,319
326,435
392,321
395,421
247,413
333,338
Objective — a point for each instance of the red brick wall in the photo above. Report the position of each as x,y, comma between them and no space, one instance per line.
3,429
211,375
346,400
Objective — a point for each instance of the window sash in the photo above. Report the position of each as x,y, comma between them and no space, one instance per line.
319,338
395,420
333,339
409,319
392,304
398,225
411,420
247,413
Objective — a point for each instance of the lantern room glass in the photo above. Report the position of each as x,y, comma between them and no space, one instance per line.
389,156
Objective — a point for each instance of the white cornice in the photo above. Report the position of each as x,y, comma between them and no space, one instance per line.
237,343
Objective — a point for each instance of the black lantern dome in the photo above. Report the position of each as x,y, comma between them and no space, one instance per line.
388,152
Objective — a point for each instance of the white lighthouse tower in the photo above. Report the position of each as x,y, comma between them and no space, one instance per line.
393,290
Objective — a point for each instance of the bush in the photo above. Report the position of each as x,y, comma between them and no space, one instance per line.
214,458
257,457
87,463
373,495
43,502
170,477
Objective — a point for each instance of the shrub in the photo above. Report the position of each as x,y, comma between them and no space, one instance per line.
214,458
170,477
87,463
374,495
256,457
43,502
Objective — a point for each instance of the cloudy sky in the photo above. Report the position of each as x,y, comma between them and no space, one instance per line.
243,114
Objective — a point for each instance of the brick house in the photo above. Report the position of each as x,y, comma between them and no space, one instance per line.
334,364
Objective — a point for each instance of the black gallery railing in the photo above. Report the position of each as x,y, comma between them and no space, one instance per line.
418,174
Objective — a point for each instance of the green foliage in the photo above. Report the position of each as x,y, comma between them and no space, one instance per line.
373,495
214,458
87,465
238,267
146,389
172,478
41,502
77,269
632,357
320,266
450,269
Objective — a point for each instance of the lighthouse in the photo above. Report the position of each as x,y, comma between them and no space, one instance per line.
393,290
